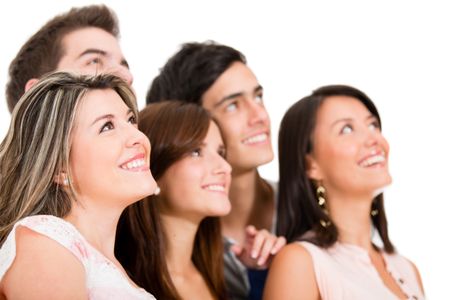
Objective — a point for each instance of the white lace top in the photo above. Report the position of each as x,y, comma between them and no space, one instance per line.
103,279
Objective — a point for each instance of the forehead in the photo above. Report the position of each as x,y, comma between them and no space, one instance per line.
100,102
76,42
213,134
237,78
341,107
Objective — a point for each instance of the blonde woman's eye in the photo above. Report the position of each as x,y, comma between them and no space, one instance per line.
107,127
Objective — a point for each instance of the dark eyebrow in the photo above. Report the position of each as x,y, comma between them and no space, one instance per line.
351,119
235,95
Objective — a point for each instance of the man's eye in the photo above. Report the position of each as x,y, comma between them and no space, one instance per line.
94,61
231,107
259,98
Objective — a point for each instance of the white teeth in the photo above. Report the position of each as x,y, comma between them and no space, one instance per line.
372,160
215,187
133,164
256,139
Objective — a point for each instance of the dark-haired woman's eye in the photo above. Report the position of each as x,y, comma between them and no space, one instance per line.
222,152
347,129
132,119
375,125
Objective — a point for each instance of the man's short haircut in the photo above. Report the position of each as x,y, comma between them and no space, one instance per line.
190,72
43,51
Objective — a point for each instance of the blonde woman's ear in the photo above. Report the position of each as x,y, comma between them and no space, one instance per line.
62,179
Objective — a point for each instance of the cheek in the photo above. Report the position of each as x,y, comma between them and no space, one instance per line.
336,157
230,131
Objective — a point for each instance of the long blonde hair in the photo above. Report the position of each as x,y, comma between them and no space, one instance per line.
37,146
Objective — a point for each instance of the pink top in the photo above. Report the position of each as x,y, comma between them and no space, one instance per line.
345,271
103,279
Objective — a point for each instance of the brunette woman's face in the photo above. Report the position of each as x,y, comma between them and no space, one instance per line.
109,156
197,186
350,155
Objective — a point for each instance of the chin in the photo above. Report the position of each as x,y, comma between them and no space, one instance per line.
382,187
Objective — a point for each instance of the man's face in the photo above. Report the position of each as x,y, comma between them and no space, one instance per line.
235,101
93,51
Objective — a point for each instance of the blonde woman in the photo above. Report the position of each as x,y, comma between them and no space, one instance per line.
72,160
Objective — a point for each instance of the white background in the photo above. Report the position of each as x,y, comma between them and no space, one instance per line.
397,52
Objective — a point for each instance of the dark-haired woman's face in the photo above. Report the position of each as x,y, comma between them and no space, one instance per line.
197,186
350,155
235,100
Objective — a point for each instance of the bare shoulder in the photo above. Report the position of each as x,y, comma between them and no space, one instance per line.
291,275
43,269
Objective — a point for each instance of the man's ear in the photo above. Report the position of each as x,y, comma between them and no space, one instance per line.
61,179
30,83
313,169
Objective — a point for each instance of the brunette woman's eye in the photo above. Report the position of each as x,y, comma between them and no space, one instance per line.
196,152
132,119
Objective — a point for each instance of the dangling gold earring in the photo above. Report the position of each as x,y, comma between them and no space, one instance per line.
374,211
321,200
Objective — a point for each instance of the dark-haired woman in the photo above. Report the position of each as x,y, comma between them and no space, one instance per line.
171,243
333,168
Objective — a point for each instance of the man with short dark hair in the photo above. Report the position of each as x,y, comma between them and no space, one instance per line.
83,40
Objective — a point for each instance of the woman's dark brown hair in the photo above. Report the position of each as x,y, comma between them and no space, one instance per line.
175,129
298,210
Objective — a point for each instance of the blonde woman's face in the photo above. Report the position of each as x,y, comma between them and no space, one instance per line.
109,157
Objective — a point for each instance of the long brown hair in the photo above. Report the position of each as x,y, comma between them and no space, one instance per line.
298,209
174,129
37,145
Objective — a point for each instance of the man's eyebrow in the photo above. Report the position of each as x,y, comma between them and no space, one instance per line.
236,95
93,51
227,98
